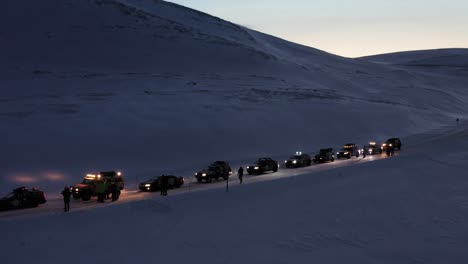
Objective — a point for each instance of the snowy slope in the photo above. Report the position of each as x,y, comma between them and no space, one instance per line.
408,209
150,87
440,57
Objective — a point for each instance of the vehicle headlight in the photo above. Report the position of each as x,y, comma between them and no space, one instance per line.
147,185
256,168
76,189
204,174
346,153
370,150
294,161
248,167
285,161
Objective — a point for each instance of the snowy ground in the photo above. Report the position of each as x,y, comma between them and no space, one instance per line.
412,208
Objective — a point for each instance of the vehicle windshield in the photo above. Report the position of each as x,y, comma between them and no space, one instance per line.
87,181
155,177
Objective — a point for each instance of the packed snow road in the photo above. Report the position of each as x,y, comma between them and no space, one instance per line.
54,204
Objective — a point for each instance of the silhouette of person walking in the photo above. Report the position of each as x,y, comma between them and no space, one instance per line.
240,174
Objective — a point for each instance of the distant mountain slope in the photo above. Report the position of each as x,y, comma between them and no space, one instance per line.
438,57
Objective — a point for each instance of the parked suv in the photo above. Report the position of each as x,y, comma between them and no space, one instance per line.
263,165
348,151
372,149
218,169
325,155
87,188
396,143
298,160
22,198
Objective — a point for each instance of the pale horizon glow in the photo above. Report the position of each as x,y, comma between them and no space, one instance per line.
350,28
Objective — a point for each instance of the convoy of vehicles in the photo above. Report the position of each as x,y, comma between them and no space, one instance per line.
88,187
325,155
263,165
217,170
298,160
154,184
22,197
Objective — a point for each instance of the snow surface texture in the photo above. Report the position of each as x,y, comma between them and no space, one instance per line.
412,208
150,87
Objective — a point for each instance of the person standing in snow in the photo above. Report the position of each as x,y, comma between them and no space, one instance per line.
240,174
163,184
364,150
66,198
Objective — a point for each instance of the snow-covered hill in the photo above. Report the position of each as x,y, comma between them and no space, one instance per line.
152,87
425,58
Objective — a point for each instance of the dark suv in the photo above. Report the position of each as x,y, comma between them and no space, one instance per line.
348,151
371,149
263,165
218,169
325,155
298,160
396,143
87,188
22,198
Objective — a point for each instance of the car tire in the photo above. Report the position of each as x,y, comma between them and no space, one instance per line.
275,169
309,163
332,159
76,196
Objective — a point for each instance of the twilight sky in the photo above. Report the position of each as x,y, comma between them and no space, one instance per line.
350,28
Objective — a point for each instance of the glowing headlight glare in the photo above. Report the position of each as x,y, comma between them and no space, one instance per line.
147,185
256,168
248,167
294,161
119,173
76,189
204,174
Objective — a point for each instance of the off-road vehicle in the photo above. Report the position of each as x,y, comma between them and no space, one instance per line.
325,155
22,198
217,170
263,165
298,160
87,188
